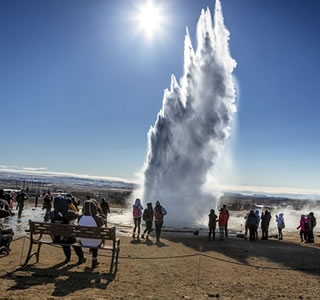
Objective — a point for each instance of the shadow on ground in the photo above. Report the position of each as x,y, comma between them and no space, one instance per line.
264,254
65,280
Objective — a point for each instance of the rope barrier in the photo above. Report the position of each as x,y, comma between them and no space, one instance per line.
192,255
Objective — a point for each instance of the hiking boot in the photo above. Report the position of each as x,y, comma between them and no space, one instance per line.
81,260
95,263
142,236
147,238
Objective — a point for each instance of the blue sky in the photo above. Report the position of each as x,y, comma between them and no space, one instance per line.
79,88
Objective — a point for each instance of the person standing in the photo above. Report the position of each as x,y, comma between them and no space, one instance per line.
20,199
159,213
228,215
137,212
212,224
105,209
280,225
303,227
311,224
148,218
47,204
258,222
252,225
265,222
246,225
222,221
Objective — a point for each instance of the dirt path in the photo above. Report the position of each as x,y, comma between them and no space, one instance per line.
180,267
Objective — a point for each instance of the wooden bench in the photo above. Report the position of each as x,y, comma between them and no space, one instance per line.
39,229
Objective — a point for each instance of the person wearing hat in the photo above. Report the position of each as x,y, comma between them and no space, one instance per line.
159,213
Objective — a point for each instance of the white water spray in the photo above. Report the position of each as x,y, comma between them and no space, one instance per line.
192,125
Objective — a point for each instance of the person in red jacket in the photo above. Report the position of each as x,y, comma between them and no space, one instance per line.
222,221
228,215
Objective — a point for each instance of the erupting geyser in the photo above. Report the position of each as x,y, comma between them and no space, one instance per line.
192,125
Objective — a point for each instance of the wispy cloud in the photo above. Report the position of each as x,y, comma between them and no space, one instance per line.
34,169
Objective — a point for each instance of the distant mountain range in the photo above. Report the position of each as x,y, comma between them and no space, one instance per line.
59,179
67,179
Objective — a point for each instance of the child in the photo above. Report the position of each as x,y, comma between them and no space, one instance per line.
212,224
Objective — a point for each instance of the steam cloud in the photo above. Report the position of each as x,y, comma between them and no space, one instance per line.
192,125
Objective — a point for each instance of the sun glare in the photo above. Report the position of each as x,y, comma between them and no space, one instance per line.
150,19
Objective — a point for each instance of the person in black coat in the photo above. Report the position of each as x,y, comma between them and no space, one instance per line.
252,225
65,216
21,197
212,224
265,221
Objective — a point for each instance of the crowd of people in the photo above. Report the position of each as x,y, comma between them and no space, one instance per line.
148,215
252,222
64,208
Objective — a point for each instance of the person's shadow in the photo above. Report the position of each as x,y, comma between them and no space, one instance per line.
64,279
160,244
288,255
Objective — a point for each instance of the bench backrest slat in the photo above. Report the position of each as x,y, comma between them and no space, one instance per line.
67,230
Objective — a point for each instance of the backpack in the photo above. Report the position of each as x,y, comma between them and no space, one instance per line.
60,205
147,215
158,214
252,219
136,212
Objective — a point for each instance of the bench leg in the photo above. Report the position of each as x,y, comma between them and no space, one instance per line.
112,261
117,256
116,261
38,251
29,255
114,258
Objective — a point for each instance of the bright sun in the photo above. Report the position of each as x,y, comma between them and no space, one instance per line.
150,19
